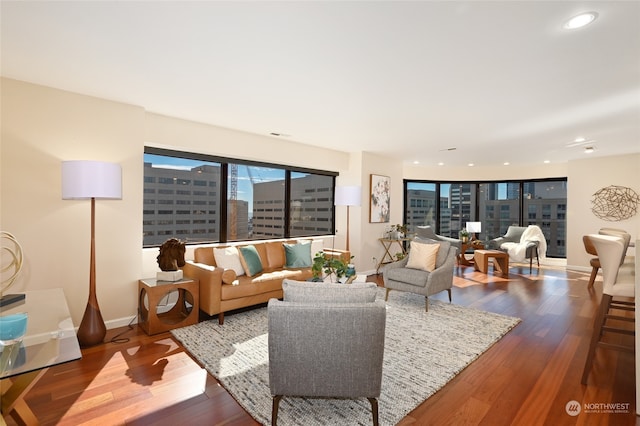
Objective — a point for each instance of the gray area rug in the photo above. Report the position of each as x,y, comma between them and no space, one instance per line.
423,351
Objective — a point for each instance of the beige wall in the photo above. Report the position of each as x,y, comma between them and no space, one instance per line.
585,178
43,126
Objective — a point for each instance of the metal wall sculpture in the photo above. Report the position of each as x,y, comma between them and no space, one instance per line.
615,203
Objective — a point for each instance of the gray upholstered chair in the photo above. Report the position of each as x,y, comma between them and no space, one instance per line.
326,340
399,276
514,235
427,232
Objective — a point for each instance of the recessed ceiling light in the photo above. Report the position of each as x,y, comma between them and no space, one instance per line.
471,164
547,161
441,164
506,163
589,149
579,139
580,20
416,162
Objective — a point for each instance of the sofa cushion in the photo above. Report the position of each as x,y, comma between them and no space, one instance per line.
250,260
228,258
423,256
274,253
416,277
204,255
313,292
298,255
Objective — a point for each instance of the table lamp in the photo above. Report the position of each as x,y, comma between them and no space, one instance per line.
474,227
90,180
348,196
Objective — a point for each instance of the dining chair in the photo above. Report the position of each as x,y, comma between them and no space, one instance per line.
615,284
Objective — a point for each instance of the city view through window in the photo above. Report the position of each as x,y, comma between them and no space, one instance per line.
187,198
447,207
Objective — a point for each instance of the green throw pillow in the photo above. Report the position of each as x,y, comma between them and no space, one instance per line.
297,255
250,260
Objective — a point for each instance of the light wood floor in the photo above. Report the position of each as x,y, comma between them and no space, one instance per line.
527,378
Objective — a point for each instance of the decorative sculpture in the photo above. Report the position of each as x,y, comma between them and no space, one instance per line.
171,255
615,203
12,264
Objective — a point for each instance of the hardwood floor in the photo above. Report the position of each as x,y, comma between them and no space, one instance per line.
527,378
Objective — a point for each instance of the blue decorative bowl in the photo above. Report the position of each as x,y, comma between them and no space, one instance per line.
12,328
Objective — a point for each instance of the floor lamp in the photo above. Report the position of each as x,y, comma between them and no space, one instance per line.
348,196
83,180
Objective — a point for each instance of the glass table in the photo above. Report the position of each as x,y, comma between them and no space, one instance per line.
50,340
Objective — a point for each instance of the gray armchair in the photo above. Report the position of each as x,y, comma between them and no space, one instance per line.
397,276
326,340
427,232
514,236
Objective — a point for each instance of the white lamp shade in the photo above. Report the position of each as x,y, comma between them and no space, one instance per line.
348,196
474,226
91,179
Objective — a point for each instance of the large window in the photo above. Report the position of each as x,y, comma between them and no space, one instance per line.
495,204
199,198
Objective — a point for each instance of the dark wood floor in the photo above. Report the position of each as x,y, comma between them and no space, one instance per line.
527,378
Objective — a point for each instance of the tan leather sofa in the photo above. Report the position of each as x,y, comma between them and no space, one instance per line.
221,290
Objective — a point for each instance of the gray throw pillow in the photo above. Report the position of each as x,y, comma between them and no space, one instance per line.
313,292
426,232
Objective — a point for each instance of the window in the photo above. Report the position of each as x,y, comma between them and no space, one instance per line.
548,199
497,205
200,198
421,199
252,191
311,205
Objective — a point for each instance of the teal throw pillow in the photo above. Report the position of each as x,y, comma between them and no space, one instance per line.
297,255
250,260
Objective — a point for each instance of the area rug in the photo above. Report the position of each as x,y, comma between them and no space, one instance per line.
423,351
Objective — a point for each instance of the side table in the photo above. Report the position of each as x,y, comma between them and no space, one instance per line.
475,245
184,312
387,257
500,261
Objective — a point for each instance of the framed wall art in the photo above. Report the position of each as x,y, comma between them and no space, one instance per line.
379,200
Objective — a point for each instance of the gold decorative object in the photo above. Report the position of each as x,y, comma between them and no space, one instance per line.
12,264
615,203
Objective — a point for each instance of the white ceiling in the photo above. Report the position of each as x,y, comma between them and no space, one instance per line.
499,81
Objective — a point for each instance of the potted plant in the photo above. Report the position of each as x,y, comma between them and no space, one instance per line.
397,231
464,235
331,267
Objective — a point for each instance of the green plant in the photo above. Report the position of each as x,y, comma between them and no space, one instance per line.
463,233
400,228
328,266
400,255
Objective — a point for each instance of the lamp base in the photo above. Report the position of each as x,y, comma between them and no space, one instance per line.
92,328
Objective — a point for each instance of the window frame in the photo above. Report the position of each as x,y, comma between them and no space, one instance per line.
223,189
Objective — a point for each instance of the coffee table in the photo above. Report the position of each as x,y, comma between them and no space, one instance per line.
500,261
